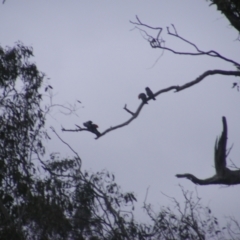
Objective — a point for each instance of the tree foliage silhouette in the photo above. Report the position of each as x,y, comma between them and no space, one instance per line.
53,198
231,10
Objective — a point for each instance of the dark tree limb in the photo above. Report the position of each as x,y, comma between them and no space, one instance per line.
78,129
176,88
135,115
159,29
206,74
223,174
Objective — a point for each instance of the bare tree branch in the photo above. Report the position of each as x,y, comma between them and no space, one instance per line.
78,129
208,73
142,24
135,115
155,42
125,108
223,174
176,88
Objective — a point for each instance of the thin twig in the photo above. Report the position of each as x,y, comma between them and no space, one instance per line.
78,157
174,33
125,108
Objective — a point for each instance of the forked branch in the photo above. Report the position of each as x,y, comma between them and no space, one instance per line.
156,42
176,88
223,174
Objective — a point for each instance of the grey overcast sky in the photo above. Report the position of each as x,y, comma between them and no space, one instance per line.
90,54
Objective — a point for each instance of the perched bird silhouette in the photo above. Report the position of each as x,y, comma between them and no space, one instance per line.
92,127
143,97
150,93
223,174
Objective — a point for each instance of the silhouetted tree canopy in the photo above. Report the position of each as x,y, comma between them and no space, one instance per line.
231,10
